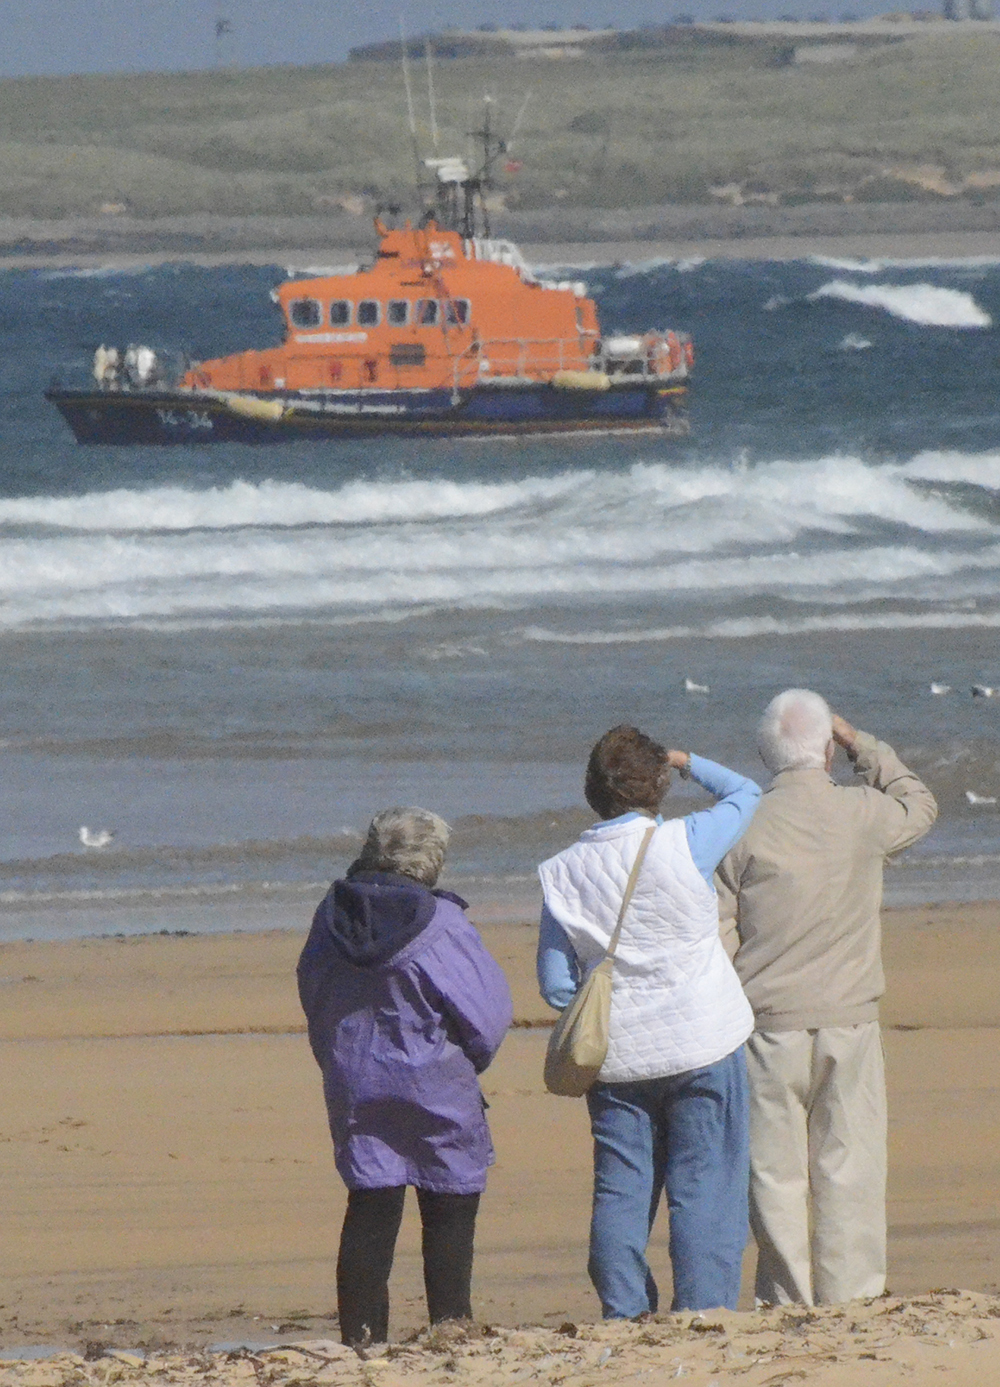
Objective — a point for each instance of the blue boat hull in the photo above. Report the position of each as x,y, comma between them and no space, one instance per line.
153,416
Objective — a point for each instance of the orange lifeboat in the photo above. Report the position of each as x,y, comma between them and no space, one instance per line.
446,332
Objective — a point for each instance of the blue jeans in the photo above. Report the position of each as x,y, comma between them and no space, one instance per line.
687,1134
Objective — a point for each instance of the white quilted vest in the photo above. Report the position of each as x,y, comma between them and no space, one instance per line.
676,1003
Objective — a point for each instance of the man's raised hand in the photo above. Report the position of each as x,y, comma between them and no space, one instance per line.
843,733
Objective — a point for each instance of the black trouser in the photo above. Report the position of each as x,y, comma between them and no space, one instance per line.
367,1243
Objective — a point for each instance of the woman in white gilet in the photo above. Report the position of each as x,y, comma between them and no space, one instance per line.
669,1109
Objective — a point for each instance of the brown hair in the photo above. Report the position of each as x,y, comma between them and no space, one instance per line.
627,770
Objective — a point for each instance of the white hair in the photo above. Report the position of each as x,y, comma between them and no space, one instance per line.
795,731
409,840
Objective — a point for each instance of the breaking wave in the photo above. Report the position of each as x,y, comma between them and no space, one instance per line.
274,504
836,529
928,305
795,495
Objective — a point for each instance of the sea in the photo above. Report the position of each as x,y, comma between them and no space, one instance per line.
231,656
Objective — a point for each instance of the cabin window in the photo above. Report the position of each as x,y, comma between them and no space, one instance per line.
340,313
456,312
306,312
407,354
398,312
428,312
369,313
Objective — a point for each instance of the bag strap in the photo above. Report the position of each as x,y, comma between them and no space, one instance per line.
633,877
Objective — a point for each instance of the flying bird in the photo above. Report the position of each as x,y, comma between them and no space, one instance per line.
99,839
691,687
975,799
940,688
983,691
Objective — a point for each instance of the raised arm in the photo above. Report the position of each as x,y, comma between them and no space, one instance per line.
712,832
908,809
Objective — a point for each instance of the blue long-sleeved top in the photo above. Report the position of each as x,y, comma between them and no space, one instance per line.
710,834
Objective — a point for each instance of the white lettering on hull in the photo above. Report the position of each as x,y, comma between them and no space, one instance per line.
326,337
185,419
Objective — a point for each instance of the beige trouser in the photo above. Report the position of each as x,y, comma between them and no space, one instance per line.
818,1159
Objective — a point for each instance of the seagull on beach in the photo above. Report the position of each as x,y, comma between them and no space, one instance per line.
984,691
975,799
940,688
100,839
691,687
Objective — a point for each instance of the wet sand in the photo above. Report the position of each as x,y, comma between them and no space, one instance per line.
169,1180
947,246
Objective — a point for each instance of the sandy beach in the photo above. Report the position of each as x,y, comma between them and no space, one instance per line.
883,245
170,1181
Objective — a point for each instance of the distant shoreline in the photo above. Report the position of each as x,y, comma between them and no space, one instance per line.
961,246
902,231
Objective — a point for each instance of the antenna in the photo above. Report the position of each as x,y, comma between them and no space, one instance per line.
470,148
404,49
429,55
517,122
484,174
492,147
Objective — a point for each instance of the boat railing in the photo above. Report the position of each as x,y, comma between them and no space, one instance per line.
516,359
519,360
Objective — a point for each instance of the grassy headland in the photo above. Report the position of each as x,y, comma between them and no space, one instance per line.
704,119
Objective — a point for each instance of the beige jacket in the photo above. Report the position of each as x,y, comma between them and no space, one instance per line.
803,887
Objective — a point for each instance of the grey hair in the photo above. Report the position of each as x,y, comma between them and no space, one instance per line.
795,731
408,840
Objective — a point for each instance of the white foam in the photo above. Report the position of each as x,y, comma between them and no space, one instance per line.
274,504
858,267
929,305
161,576
742,628
630,268
865,266
982,470
766,503
835,530
97,271
623,270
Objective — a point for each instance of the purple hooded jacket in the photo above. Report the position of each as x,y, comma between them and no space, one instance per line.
405,1007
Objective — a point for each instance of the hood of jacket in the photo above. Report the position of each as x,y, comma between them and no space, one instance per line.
372,915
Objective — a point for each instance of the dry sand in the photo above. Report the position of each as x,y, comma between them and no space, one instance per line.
949,1337
168,1177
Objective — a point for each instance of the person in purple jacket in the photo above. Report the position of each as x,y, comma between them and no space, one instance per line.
405,1009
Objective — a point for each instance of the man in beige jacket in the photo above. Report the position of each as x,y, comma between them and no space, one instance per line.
804,887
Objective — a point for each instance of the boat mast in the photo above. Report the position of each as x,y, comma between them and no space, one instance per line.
417,162
458,201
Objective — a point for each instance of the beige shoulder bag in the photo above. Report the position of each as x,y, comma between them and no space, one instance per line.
578,1044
